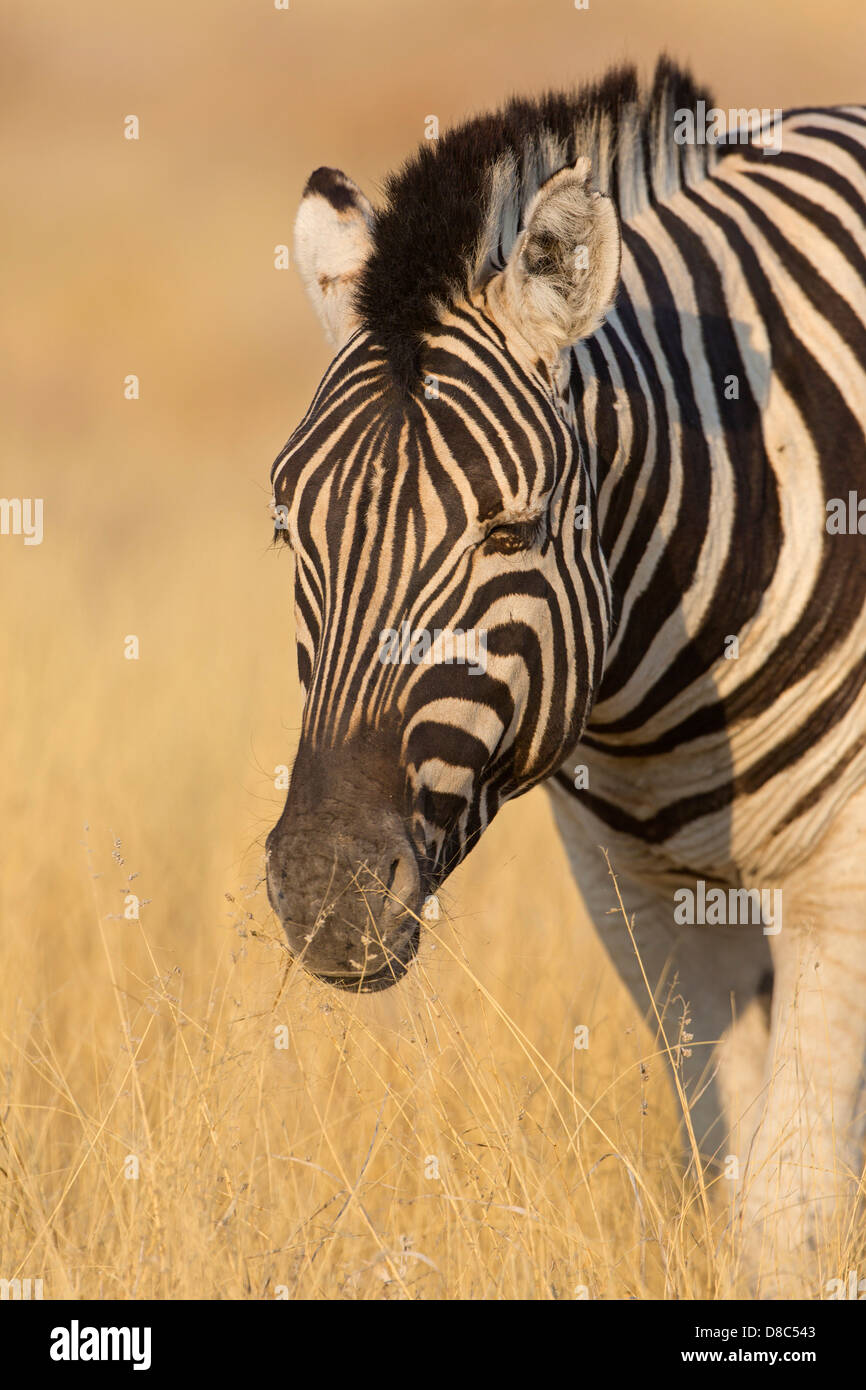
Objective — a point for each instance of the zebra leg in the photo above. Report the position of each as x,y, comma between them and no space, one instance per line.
718,978
807,1155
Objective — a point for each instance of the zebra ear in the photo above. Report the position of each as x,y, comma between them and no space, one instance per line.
562,274
332,243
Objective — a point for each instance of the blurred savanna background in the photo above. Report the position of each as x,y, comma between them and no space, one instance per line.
180,1116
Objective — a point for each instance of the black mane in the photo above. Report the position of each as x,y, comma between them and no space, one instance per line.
445,213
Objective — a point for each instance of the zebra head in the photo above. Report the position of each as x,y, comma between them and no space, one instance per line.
451,602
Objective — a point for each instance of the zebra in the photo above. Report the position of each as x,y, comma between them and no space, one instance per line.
599,393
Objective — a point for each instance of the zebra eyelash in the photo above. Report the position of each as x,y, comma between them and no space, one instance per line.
507,537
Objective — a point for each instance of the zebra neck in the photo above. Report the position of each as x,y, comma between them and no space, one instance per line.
619,437
664,497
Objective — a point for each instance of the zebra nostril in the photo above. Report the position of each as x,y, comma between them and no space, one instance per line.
404,883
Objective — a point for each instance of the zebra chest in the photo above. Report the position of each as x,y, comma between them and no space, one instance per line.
744,805
659,815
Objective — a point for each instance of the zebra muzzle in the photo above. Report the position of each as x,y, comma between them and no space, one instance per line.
351,913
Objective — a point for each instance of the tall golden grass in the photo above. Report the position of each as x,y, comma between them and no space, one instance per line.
445,1140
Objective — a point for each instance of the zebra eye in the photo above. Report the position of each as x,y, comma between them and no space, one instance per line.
506,537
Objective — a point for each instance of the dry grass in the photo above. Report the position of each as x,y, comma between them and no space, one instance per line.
310,1168
433,1144
200,1119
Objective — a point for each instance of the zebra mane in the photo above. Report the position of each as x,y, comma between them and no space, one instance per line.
452,213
